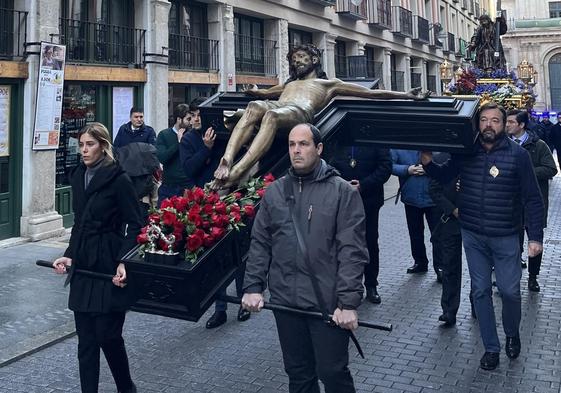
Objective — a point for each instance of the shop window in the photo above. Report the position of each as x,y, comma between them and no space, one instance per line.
79,108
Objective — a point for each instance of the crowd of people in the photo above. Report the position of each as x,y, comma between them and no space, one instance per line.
327,212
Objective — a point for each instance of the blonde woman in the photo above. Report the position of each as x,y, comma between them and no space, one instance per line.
106,223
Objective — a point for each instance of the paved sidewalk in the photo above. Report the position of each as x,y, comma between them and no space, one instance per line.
170,355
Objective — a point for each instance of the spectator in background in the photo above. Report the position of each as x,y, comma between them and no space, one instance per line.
367,168
135,130
174,180
414,191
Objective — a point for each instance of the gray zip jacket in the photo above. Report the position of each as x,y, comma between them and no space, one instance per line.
330,216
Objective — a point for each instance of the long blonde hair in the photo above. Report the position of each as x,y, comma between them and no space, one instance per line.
100,133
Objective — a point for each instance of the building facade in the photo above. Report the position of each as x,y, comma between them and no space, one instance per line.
534,35
158,53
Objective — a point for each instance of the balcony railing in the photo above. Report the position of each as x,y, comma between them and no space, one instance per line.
421,29
431,83
255,55
345,7
471,9
415,79
380,13
91,42
193,53
451,42
434,41
341,69
13,33
397,79
325,3
462,48
402,21
465,4
374,69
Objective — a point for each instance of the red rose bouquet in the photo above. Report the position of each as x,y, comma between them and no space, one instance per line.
197,220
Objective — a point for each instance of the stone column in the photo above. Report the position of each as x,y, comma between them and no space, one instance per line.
39,219
154,19
277,30
407,73
424,75
326,43
387,67
221,28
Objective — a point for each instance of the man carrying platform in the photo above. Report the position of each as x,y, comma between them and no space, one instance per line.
308,245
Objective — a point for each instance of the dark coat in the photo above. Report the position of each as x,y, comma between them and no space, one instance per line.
98,238
445,196
373,167
198,161
495,206
126,135
167,147
331,219
544,166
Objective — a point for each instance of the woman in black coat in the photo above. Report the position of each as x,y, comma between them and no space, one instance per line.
106,223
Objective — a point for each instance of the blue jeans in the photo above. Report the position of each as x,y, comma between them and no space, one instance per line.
166,191
502,252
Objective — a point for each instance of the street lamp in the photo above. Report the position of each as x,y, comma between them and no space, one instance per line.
446,75
525,71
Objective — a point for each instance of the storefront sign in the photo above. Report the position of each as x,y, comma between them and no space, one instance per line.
49,97
5,92
123,101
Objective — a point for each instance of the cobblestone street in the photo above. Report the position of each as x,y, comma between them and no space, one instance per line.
170,355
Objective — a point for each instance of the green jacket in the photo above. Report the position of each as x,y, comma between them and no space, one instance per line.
167,147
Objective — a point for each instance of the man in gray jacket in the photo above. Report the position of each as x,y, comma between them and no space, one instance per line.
315,204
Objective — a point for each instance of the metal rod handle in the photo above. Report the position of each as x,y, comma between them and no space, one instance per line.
313,314
82,272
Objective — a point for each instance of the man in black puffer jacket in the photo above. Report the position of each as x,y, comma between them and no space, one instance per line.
325,274
498,185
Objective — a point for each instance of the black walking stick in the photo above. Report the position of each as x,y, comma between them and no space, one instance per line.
305,313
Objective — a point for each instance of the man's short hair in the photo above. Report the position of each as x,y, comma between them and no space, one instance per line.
491,105
521,116
180,111
194,105
136,109
316,134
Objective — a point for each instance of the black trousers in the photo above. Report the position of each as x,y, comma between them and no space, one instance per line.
312,349
447,239
534,263
372,269
416,228
102,331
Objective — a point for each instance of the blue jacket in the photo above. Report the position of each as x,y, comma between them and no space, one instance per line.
414,189
198,161
126,135
494,205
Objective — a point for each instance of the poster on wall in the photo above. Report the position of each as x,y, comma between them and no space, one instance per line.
50,87
5,120
122,103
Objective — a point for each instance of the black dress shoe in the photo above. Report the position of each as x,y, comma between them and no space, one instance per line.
489,361
372,295
243,314
217,319
512,347
533,284
448,320
439,275
416,268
